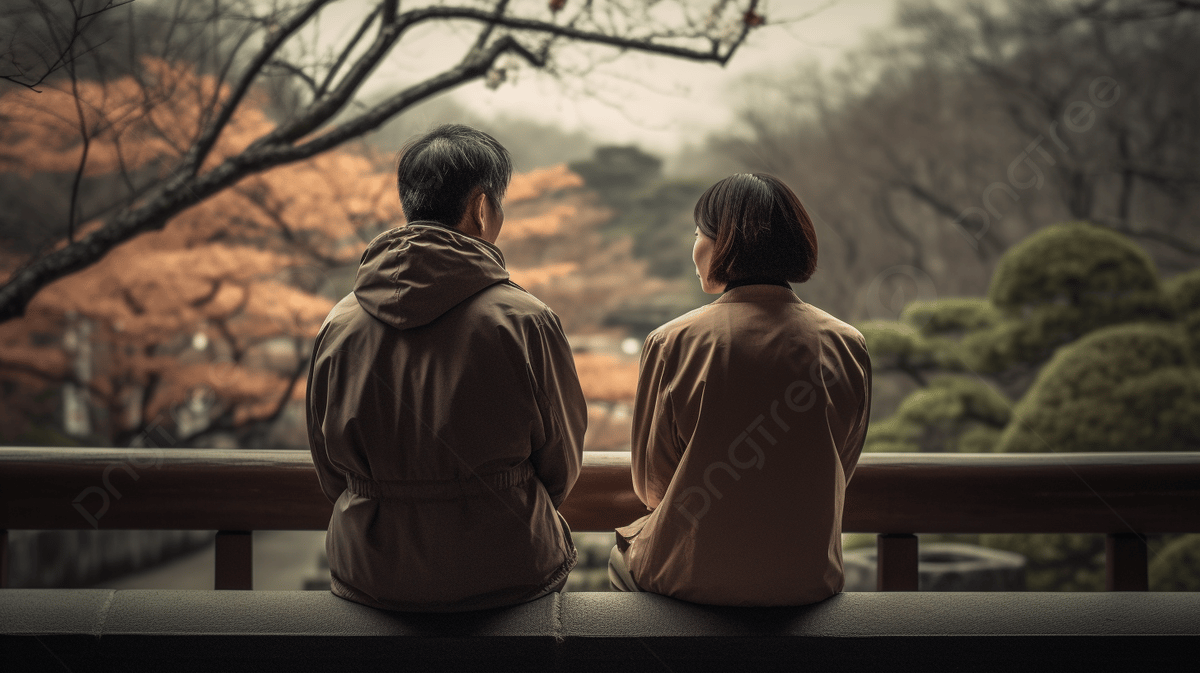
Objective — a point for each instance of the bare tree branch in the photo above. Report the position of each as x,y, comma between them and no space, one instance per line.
475,63
224,422
86,135
188,185
199,152
888,212
486,33
341,59
1177,242
1142,10
294,71
62,34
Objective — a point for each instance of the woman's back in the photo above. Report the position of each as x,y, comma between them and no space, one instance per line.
751,414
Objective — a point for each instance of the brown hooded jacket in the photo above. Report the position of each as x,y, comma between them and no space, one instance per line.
446,424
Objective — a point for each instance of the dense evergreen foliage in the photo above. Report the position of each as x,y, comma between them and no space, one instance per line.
653,211
1078,328
1095,352
1059,284
1130,387
952,414
1183,291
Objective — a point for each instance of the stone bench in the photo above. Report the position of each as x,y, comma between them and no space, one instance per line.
104,630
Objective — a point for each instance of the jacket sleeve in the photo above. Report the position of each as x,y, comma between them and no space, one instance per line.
563,409
333,483
852,449
655,450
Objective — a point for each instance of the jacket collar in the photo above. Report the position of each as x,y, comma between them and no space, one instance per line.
758,293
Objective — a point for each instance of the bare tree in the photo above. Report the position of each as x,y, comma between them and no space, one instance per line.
265,45
1133,10
44,37
975,126
1103,95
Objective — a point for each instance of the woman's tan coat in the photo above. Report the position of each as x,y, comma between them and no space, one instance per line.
750,418
446,423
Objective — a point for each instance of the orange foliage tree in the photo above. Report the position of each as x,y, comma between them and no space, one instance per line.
200,139
203,328
609,383
554,248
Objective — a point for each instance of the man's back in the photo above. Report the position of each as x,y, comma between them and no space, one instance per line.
446,422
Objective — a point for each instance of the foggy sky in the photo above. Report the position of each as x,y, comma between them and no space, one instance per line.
660,103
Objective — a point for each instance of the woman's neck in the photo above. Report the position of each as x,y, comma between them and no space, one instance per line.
756,280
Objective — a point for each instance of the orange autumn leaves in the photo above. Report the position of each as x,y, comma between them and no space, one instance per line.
132,121
540,181
223,302
607,378
554,247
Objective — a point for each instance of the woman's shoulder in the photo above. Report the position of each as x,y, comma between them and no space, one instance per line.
688,322
830,324
805,318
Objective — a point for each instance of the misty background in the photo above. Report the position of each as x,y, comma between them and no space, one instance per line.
1006,195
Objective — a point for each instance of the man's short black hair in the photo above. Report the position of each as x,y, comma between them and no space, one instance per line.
438,172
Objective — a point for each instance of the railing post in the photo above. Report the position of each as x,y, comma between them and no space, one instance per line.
896,568
234,566
3,559
1126,565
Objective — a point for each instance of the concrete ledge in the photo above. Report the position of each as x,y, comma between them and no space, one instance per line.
102,630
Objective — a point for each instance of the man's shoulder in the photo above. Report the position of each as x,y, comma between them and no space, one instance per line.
510,301
343,313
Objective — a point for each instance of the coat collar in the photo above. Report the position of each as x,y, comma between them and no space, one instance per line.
758,293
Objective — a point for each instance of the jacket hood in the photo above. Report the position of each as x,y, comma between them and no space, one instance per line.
409,276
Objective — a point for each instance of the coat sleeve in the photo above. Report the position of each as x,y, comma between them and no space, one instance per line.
563,409
655,450
333,482
852,449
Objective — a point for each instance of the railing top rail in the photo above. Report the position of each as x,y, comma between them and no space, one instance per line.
73,488
236,458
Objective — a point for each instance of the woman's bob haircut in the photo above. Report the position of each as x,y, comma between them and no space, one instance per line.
760,228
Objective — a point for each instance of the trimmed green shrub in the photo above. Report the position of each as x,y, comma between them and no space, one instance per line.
952,414
1122,388
893,435
897,340
950,315
1117,361
896,345
1033,337
1059,284
1183,292
1071,263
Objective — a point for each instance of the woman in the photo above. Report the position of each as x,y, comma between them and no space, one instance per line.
750,417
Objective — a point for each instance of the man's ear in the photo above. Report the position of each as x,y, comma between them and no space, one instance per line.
481,204
475,212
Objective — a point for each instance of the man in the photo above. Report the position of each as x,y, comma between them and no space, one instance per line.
445,416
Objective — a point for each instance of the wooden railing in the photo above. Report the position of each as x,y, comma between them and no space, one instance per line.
1125,496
